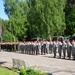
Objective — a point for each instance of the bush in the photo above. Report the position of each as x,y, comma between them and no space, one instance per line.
31,71
8,37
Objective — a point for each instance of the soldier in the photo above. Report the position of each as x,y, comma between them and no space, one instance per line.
36,48
50,47
21,47
43,47
47,47
59,48
73,49
30,48
39,45
55,48
69,49
64,47
27,47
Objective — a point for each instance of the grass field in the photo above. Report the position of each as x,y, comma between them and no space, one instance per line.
4,71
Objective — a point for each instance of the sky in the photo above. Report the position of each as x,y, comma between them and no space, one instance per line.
2,13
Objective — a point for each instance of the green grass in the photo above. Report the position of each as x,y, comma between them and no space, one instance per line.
4,71
28,71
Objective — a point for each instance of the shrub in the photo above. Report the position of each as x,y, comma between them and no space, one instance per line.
8,37
31,71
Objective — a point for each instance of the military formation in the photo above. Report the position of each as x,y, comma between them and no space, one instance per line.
65,49
58,49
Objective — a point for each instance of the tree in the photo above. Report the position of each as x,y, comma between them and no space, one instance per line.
70,20
46,17
35,18
16,11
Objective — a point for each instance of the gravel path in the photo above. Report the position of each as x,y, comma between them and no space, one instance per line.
47,63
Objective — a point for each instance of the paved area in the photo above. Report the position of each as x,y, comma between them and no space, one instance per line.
47,63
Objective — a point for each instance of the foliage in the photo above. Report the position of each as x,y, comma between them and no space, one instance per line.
35,18
45,18
31,71
16,11
4,71
7,32
70,20
8,37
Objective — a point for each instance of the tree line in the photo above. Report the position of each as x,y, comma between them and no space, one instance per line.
37,18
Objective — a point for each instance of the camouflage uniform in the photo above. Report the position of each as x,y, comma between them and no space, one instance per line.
54,48
59,49
64,47
73,50
69,49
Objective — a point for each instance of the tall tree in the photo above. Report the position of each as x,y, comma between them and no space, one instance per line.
46,17
35,18
70,20
6,31
16,11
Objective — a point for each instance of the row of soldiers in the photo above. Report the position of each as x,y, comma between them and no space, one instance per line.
37,47
65,48
9,46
